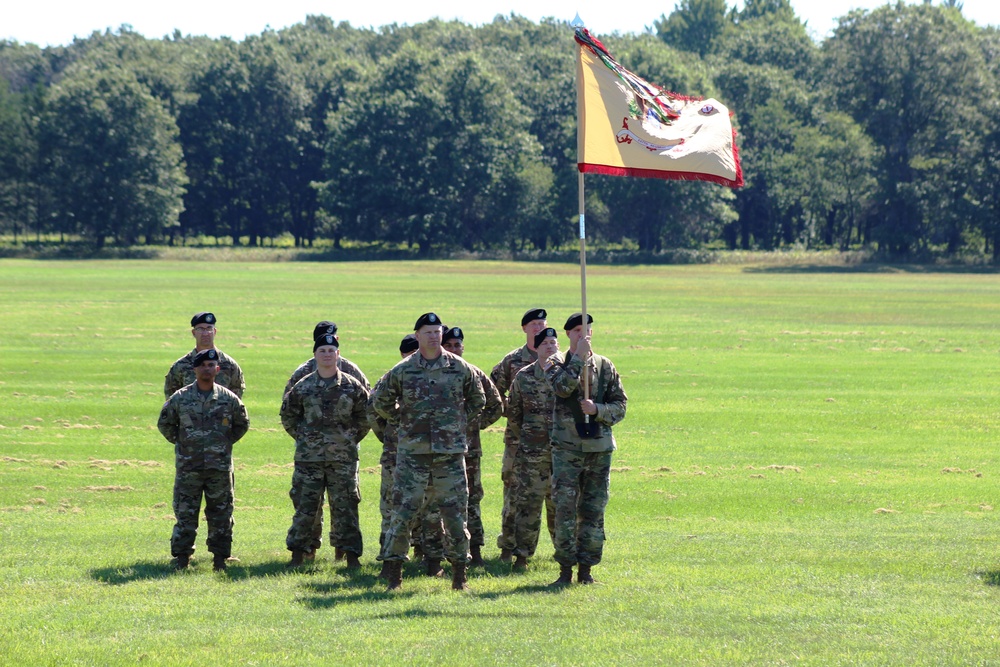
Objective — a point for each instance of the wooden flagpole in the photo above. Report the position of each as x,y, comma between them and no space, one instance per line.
583,286
580,120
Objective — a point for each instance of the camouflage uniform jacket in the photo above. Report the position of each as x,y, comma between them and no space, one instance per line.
490,414
431,403
202,429
503,373
345,366
326,416
529,409
605,390
383,430
182,373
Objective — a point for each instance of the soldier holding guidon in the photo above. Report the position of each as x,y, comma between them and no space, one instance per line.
589,401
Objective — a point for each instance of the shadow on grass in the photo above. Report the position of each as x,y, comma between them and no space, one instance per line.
990,577
141,571
364,586
875,268
239,572
146,570
332,595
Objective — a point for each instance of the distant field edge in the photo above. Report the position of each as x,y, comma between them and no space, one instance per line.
767,260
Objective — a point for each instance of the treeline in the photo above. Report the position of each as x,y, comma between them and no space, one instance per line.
441,135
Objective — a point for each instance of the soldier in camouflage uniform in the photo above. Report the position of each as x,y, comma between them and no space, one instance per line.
386,434
203,420
430,533
532,322
324,328
431,397
582,444
529,426
325,413
181,373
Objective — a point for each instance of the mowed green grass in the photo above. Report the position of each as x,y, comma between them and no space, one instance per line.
807,473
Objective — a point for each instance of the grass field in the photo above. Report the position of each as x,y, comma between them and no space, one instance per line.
807,473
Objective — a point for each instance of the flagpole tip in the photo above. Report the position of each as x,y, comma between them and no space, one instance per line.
577,22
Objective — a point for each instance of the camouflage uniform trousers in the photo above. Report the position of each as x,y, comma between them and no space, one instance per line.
510,473
387,509
505,540
218,488
429,533
531,488
581,483
339,480
385,499
442,476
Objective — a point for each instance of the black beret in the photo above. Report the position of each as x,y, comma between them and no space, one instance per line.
206,355
575,320
453,333
324,328
203,318
534,314
408,344
427,319
543,334
328,339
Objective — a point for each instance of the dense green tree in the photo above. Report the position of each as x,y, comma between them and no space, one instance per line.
278,131
658,215
425,155
771,106
764,67
913,76
769,40
25,66
694,25
829,176
113,163
538,63
163,66
214,149
243,142
447,134
328,57
380,152
987,181
776,11
488,135
17,153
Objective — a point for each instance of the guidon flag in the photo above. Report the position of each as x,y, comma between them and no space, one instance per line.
630,127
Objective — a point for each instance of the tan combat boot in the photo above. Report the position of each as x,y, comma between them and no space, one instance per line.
565,576
477,556
395,575
298,557
458,581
